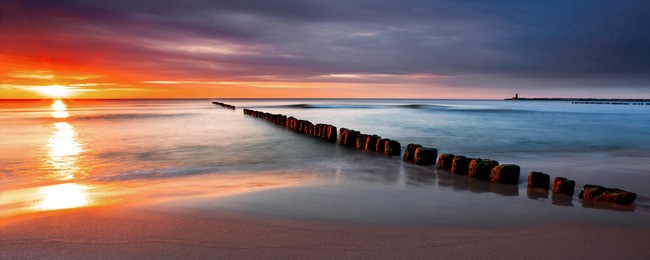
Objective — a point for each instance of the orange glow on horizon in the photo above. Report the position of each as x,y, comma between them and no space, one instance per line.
72,79
54,91
67,79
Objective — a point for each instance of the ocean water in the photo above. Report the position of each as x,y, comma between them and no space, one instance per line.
191,154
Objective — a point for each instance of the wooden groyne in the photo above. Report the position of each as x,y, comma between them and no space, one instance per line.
473,168
228,106
321,131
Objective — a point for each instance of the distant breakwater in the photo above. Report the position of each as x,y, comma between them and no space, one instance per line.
474,168
228,106
592,101
611,103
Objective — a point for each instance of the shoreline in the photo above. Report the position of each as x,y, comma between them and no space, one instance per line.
433,199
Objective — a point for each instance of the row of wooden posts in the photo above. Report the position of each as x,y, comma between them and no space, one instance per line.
228,106
476,168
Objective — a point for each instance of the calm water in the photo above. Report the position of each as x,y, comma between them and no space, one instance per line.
192,154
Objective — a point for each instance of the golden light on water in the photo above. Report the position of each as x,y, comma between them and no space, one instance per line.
63,151
62,147
59,109
63,161
62,196
63,143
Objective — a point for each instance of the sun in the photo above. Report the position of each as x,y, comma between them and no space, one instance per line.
54,91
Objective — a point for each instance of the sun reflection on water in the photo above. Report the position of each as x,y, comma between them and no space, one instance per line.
59,109
62,147
62,196
63,151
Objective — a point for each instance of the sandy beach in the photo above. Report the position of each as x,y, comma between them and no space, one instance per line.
136,233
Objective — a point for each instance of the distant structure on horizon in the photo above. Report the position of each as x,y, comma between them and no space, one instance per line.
606,101
516,97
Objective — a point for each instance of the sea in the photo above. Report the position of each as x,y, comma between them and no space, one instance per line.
189,154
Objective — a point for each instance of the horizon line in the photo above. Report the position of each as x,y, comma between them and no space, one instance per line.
208,98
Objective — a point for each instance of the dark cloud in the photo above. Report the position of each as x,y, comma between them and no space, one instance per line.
521,40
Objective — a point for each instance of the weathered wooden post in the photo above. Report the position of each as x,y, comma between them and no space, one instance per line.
409,152
425,156
371,143
445,161
505,173
481,168
392,148
600,193
538,180
460,165
360,143
563,186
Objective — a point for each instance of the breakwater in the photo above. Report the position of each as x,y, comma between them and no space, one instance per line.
322,131
472,168
591,101
228,106
611,103
582,99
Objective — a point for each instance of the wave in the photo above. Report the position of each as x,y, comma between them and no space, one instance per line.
424,107
465,109
319,106
353,106
160,173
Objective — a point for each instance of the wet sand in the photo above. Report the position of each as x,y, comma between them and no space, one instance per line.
126,232
305,216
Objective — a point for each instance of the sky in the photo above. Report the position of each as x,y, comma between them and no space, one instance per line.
325,49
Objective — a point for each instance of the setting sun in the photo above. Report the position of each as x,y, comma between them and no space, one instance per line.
54,91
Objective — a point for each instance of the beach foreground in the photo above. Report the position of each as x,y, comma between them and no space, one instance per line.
127,232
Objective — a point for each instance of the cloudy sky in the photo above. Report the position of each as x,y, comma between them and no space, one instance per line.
294,48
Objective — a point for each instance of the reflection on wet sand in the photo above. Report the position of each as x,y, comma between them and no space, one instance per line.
391,173
462,183
475,186
504,189
537,193
62,196
46,198
562,200
425,176
608,205
150,192
421,177
418,177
